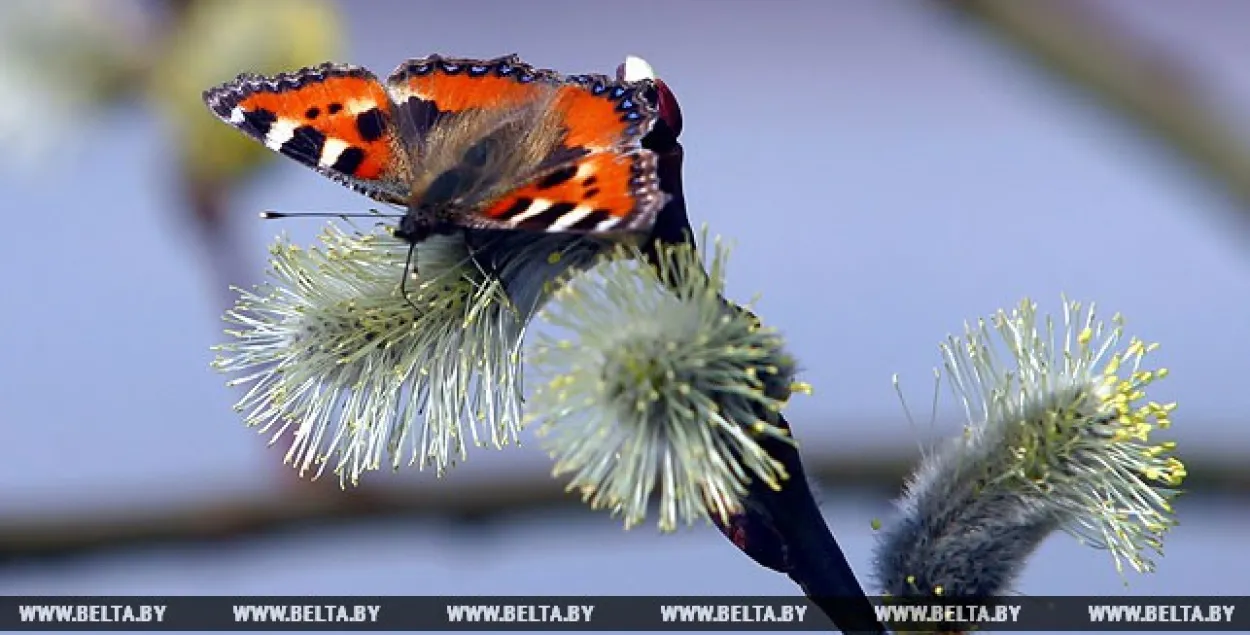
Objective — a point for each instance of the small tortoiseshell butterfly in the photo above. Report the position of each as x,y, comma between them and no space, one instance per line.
465,144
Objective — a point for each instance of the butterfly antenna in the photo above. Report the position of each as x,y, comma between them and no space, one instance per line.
373,213
409,265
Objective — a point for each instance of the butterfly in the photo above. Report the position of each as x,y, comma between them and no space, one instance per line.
464,144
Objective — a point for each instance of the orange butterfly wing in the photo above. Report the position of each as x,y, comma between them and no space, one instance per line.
334,118
608,191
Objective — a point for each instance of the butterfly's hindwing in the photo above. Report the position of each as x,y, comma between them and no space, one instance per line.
603,192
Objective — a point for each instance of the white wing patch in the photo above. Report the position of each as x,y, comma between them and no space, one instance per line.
280,132
331,150
607,224
537,207
571,218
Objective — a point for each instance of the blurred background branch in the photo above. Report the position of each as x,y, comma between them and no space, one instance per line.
241,517
1139,82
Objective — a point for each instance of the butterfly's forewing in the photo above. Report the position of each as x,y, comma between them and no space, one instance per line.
334,118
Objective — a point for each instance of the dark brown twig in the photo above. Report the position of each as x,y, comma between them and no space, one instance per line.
783,530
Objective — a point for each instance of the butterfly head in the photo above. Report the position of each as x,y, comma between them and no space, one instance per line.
448,196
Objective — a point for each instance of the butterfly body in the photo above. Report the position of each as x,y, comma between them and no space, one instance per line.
464,144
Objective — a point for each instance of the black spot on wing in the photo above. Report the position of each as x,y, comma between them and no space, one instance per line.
258,121
305,144
419,115
590,221
518,206
349,160
371,124
561,175
549,216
